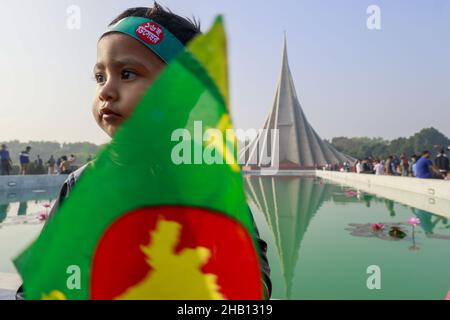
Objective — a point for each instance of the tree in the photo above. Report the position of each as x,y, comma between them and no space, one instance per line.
362,147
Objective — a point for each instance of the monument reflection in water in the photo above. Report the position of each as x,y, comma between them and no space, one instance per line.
320,236
322,240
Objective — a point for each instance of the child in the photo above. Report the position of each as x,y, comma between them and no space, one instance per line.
125,69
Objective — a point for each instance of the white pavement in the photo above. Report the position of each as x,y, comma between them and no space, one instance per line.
9,283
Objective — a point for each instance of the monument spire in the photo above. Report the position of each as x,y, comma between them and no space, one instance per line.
299,145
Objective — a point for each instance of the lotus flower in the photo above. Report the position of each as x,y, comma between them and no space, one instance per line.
350,193
43,216
448,295
377,226
414,221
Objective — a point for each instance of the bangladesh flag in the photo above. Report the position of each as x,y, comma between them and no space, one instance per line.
161,214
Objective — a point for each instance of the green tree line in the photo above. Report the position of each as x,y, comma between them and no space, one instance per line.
362,147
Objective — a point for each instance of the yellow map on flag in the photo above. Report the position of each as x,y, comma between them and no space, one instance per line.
174,276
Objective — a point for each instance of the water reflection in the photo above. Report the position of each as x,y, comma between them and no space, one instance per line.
429,222
3,211
297,210
25,206
389,231
290,205
25,195
21,219
390,207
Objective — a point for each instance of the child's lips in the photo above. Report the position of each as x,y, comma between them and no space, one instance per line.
110,116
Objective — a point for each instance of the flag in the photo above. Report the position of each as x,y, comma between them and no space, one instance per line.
161,213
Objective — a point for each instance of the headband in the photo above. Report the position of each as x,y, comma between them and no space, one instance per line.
151,34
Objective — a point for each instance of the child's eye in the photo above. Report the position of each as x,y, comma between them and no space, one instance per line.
128,75
99,78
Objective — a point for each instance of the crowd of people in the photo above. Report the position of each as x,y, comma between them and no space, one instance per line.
61,165
419,166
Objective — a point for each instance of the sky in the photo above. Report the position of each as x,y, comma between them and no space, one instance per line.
350,80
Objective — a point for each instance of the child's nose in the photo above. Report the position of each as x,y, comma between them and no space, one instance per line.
108,91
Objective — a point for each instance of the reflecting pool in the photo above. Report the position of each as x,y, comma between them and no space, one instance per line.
323,239
21,219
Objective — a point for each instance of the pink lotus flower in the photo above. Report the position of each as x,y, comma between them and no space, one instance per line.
350,193
377,226
448,295
414,221
43,216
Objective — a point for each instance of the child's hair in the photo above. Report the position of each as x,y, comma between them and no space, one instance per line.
184,29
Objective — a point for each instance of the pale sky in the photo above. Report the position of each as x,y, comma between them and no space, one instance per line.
351,81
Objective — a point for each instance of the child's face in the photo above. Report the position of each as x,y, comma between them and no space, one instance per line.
124,70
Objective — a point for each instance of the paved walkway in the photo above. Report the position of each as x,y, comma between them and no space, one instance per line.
9,282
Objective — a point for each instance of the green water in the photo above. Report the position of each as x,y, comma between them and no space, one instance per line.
19,221
319,235
320,242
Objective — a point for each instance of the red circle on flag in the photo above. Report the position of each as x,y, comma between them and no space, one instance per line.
128,259
150,32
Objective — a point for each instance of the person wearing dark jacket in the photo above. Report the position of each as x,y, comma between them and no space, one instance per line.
5,161
442,163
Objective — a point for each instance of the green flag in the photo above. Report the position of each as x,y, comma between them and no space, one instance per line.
161,214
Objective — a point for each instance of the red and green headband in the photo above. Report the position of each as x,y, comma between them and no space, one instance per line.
151,34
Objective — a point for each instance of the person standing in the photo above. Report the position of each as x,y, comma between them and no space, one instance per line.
412,165
58,165
404,166
425,167
365,167
40,165
379,168
442,163
24,160
51,165
64,167
358,166
395,164
388,166
72,159
6,163
346,166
